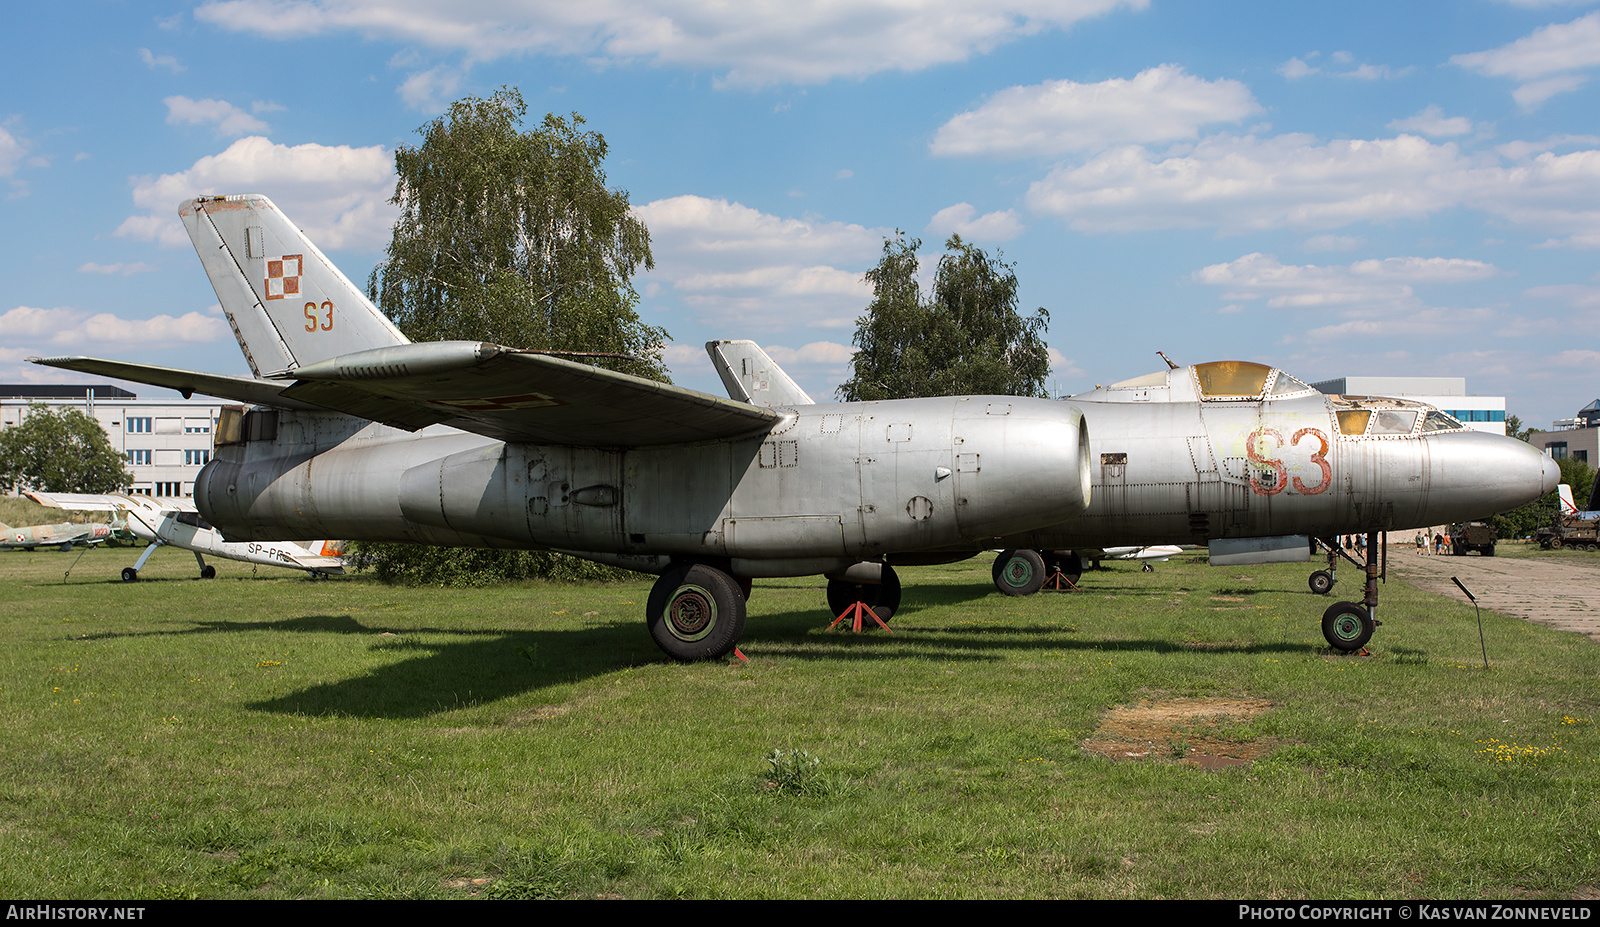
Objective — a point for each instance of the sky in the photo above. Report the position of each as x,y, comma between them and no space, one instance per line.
1337,189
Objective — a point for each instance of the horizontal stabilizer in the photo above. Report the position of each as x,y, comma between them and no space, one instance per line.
516,395
187,382
751,376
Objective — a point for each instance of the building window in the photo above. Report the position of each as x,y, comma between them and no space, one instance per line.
204,429
1581,455
138,426
196,458
1556,449
169,489
139,458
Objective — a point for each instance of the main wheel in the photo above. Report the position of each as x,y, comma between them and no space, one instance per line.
1021,572
883,598
1347,626
1321,582
210,572
130,575
696,612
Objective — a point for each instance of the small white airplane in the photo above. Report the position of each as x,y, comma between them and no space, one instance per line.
176,523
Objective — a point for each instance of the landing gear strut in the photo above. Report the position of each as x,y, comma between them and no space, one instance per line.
1322,581
1348,626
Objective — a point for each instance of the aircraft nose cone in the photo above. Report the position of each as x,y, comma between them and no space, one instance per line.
1552,475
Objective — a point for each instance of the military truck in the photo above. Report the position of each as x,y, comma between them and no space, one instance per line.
1572,531
1473,535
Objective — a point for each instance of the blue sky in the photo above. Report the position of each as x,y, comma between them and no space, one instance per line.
1339,189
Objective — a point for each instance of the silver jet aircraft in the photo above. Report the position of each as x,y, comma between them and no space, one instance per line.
1226,452
358,434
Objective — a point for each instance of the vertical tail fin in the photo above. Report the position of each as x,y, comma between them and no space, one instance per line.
288,305
1568,507
751,376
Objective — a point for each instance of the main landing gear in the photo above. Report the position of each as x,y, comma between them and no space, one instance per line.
1024,572
1348,626
131,574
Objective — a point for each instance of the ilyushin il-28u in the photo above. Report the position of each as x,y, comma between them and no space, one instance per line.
1242,457
356,433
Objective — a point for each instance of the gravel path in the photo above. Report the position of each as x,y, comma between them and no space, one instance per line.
1558,590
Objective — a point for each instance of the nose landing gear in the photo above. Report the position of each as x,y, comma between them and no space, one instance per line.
1347,626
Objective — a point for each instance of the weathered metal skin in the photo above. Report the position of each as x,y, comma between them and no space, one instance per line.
828,485
1171,467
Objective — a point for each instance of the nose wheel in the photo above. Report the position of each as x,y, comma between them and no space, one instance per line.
1348,626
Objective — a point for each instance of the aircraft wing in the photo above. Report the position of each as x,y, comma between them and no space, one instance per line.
187,382
515,395
502,393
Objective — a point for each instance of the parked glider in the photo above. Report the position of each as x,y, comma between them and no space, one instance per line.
176,523
358,433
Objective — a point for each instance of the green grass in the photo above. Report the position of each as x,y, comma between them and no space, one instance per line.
262,736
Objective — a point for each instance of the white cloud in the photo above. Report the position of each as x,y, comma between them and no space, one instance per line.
963,219
1241,184
55,329
116,270
1549,50
1373,296
1159,104
1294,69
731,264
1333,243
230,120
166,62
1433,122
431,91
12,153
1543,60
753,44
337,194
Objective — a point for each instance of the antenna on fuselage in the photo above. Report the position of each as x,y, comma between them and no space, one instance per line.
1170,364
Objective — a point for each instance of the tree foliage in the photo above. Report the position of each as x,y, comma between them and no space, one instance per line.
965,338
513,237
60,450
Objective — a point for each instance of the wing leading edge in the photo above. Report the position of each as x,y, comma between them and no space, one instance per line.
499,392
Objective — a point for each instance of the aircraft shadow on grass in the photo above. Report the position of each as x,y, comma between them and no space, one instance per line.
481,666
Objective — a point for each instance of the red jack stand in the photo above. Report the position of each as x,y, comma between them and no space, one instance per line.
854,613
1056,580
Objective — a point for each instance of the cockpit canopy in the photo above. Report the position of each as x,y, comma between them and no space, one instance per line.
1218,381
1246,381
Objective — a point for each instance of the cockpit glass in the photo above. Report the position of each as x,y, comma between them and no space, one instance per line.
1354,421
1439,421
1231,379
1286,384
1392,422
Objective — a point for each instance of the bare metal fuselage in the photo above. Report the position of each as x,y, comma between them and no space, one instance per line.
1176,472
827,486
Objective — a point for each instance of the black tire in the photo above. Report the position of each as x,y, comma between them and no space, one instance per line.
1021,573
883,598
1347,626
1321,582
696,612
130,575
210,572
1555,543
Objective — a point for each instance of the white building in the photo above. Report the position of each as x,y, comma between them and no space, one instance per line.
165,441
1447,394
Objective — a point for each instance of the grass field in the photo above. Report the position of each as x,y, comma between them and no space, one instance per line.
1181,734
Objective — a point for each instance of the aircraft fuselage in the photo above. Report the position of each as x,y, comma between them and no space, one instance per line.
825,487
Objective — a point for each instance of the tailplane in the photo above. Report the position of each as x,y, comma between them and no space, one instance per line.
286,302
751,376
